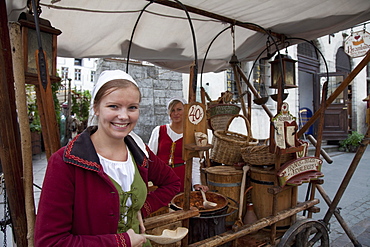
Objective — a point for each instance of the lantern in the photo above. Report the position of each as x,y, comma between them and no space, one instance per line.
46,60
288,71
30,45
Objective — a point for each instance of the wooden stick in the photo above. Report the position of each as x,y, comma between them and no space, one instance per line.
347,178
239,87
254,91
164,219
216,17
21,102
10,147
261,223
339,217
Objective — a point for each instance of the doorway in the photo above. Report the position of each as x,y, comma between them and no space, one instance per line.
308,68
338,115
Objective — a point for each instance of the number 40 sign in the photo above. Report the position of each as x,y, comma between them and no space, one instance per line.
195,121
195,114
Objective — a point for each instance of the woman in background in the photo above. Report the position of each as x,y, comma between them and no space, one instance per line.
95,188
166,143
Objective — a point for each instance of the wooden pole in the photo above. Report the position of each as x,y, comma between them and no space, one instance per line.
21,103
10,149
250,228
239,87
347,178
339,217
217,17
254,91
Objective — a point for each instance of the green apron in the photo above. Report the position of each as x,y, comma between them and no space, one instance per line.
137,194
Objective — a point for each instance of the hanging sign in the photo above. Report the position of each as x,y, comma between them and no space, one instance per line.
357,44
300,171
284,132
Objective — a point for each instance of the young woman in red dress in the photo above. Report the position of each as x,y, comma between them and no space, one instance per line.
166,142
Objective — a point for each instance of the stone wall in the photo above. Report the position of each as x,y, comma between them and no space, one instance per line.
157,86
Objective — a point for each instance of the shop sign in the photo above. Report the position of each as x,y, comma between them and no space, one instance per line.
357,44
300,170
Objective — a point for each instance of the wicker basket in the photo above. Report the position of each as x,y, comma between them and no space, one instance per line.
227,145
261,156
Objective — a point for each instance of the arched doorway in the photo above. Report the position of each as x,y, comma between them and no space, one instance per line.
338,115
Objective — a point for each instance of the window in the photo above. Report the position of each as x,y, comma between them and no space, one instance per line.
64,72
92,76
259,77
77,74
231,83
78,62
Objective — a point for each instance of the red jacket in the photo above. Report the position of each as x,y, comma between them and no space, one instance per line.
79,205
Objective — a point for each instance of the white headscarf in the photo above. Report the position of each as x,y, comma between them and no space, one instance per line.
182,100
106,76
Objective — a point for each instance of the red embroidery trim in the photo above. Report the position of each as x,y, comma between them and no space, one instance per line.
78,159
120,239
147,208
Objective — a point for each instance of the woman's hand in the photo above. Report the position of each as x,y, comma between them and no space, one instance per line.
201,187
137,240
141,222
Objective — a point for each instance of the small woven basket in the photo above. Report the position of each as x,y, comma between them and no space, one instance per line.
227,145
261,156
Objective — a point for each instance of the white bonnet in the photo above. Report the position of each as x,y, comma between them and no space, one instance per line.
105,76
182,100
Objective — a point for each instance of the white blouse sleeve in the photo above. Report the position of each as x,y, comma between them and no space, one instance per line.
153,141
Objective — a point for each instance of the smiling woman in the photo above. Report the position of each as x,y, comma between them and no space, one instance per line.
95,191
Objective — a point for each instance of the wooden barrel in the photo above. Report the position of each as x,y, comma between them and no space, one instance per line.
261,180
225,180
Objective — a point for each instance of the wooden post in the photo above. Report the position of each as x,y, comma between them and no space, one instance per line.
10,150
254,91
45,104
21,103
194,121
239,87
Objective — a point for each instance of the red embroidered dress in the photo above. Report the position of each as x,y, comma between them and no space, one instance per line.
171,151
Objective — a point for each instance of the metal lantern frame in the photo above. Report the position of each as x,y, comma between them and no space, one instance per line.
287,72
49,36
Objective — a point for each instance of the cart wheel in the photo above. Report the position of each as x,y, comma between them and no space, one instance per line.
306,233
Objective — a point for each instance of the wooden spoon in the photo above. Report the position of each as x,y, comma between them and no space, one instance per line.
168,236
207,204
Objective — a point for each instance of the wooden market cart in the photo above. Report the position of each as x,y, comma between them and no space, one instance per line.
304,231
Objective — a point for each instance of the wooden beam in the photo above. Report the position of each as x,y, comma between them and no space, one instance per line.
164,219
10,150
246,229
221,18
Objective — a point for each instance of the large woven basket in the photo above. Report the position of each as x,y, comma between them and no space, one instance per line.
261,156
227,145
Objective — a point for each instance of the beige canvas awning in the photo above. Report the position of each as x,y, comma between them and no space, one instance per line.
95,28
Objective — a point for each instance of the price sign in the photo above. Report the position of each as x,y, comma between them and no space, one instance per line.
195,114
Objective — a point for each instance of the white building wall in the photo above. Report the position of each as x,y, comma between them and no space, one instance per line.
88,65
